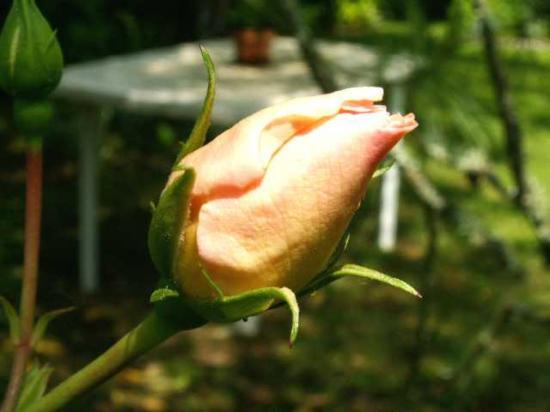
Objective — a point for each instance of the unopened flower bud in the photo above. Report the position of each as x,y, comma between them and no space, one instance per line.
274,194
31,61
258,215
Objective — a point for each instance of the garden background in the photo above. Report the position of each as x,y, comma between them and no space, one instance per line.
480,338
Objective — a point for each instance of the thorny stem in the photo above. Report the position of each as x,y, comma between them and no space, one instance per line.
33,210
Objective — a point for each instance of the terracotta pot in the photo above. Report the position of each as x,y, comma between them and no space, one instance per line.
253,46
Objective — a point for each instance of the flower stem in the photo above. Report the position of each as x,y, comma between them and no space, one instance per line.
33,209
152,331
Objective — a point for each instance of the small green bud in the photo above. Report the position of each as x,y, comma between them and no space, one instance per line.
31,61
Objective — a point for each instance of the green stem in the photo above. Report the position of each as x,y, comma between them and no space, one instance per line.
33,211
152,331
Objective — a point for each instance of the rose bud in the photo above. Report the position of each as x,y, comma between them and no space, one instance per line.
275,193
31,61
268,202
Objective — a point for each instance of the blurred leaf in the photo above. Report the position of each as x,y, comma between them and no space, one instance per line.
34,385
44,321
13,319
198,134
165,134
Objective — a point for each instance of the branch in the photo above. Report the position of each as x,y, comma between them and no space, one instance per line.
514,137
522,196
463,224
317,65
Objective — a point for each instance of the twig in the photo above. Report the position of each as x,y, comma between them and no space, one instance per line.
33,209
522,195
514,138
463,224
317,66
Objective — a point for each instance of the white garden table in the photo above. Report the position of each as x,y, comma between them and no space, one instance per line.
171,83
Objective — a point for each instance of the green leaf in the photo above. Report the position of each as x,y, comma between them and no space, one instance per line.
383,169
366,273
233,308
162,293
360,272
34,386
168,222
43,322
13,319
198,134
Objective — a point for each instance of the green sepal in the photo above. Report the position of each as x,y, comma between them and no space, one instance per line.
13,320
162,293
359,272
32,117
171,306
383,168
233,308
43,322
34,386
198,134
168,222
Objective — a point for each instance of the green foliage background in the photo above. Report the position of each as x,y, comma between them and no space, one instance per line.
485,343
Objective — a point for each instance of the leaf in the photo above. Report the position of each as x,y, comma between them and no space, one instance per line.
168,222
383,169
170,306
233,308
34,386
366,273
358,271
198,134
13,319
43,322
162,293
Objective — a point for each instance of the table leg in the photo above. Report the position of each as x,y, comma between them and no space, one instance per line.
389,203
89,127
